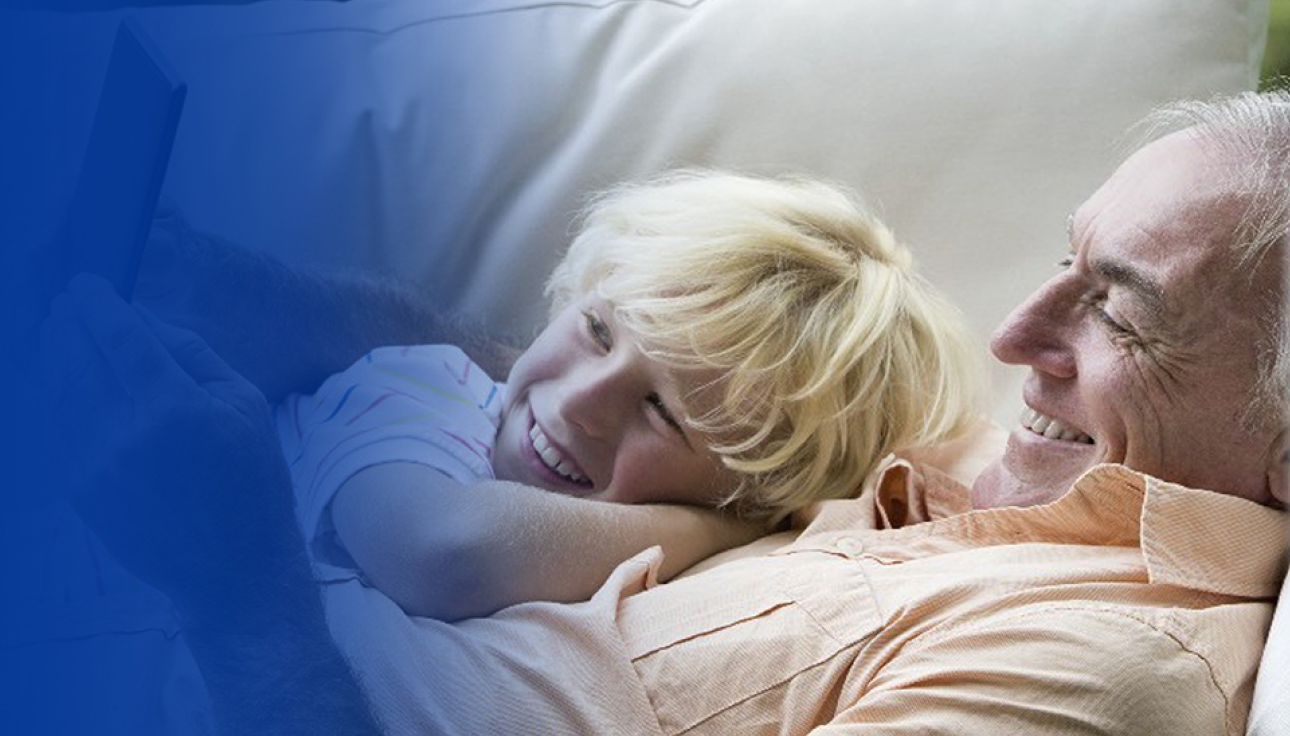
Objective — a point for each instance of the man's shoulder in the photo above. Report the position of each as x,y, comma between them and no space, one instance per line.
1140,667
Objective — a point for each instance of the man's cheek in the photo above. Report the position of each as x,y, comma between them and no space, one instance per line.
1141,439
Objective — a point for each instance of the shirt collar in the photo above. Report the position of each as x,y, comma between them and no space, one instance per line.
1199,539
1193,538
1212,541
898,494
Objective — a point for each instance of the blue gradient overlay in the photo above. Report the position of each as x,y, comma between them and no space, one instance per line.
85,646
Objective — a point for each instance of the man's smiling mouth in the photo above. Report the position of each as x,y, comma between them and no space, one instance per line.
1051,428
552,458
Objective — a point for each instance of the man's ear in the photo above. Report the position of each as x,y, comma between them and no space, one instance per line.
1279,469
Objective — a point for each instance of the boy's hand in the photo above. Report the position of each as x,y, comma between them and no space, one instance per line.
690,534
168,454
202,284
165,283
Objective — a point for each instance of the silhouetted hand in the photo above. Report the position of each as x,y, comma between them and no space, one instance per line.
169,456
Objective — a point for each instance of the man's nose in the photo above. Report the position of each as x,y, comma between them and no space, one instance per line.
1037,333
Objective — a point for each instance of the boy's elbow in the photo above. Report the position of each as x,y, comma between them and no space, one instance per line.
457,578
428,549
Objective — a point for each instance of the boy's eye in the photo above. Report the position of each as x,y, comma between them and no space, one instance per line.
598,330
656,402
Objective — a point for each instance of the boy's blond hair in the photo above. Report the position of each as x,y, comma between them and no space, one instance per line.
833,351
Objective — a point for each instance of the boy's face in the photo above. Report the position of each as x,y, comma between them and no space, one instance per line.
588,414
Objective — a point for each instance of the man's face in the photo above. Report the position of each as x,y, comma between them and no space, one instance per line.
589,414
1143,348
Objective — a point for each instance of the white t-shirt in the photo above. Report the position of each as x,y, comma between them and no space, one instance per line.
426,404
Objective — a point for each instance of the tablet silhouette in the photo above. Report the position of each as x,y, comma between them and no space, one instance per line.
125,162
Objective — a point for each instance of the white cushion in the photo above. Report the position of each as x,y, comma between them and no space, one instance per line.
1270,712
453,140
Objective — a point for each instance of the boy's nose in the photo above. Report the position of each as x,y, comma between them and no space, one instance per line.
595,400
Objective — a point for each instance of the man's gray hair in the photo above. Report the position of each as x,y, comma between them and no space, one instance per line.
1251,132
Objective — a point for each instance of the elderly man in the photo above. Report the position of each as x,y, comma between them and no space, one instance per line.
1112,572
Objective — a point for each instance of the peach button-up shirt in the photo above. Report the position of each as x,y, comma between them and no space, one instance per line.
1128,606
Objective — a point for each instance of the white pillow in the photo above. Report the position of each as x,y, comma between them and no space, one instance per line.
1270,710
452,141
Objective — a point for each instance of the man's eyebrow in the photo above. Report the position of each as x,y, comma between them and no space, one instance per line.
1070,226
1126,275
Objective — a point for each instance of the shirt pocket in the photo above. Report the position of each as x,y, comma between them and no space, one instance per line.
735,635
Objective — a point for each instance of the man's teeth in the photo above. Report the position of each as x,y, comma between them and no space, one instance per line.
1051,428
552,458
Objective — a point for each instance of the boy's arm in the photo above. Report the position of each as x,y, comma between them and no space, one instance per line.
450,551
285,329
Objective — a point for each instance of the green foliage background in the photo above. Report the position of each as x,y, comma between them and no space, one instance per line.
1276,60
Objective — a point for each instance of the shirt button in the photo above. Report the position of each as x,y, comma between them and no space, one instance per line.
850,546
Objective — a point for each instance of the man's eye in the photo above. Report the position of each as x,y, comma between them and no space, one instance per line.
1067,261
598,330
1097,304
1112,324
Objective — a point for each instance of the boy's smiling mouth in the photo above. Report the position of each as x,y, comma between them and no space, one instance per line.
553,459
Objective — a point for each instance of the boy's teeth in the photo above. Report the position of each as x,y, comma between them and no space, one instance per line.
551,457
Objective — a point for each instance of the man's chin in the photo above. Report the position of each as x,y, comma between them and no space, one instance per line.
1000,485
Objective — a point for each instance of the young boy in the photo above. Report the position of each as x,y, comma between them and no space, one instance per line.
716,342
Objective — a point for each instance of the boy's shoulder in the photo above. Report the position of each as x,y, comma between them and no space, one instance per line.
438,369
433,356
